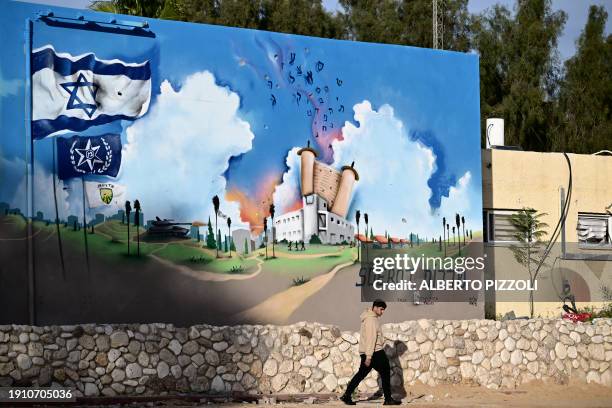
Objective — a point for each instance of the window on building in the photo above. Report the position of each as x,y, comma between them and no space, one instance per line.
497,226
594,229
310,199
322,218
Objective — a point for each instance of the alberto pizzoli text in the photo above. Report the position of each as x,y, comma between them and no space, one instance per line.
440,285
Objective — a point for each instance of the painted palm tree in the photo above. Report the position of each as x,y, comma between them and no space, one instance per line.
357,217
458,223
365,218
463,223
137,224
216,204
273,237
229,233
454,236
444,233
265,222
128,210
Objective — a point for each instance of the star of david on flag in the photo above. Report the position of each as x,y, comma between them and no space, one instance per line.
84,155
73,93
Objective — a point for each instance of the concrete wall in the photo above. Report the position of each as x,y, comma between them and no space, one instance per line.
305,357
517,179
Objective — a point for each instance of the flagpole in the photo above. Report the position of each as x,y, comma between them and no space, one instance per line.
85,230
57,226
29,175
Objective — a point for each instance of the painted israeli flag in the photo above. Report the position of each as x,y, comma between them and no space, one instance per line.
72,93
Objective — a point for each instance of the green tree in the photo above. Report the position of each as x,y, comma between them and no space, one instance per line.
215,201
128,210
210,237
246,246
586,91
406,22
529,231
137,224
229,232
145,8
273,237
520,69
265,231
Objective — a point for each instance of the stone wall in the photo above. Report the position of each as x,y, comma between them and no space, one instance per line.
306,357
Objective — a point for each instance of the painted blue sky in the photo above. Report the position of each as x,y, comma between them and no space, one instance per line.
230,106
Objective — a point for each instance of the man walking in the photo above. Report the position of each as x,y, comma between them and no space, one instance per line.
372,354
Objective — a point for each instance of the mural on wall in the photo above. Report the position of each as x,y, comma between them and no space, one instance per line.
220,175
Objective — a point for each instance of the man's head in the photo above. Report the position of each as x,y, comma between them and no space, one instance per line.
379,307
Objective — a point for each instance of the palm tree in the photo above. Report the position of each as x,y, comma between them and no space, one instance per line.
453,235
128,210
365,218
273,237
463,223
137,223
265,220
229,232
357,217
215,201
458,223
444,234
448,232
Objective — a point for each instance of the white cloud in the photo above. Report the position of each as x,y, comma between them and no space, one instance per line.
393,172
175,156
43,190
288,191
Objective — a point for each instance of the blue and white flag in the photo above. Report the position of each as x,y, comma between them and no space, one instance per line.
73,93
83,155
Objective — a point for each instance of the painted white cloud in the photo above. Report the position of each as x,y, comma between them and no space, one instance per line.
43,190
288,191
175,156
393,173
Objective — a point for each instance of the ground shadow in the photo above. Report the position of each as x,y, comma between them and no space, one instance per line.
394,352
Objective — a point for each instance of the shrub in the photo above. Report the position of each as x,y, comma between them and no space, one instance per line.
300,281
314,239
236,269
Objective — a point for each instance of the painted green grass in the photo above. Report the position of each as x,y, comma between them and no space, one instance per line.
116,230
197,259
310,249
101,246
308,267
16,220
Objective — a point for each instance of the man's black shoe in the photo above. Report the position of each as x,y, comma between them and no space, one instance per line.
347,400
392,402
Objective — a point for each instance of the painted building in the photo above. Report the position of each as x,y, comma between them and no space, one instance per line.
240,237
326,195
582,254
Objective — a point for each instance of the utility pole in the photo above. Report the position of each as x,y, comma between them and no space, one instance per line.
438,24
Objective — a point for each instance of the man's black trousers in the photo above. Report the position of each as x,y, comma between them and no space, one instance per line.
380,363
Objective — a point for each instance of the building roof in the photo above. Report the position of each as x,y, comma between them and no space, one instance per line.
395,240
404,241
380,239
307,149
361,238
351,168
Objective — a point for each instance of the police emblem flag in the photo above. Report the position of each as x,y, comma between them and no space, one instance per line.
89,155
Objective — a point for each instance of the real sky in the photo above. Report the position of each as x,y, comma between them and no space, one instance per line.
577,13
